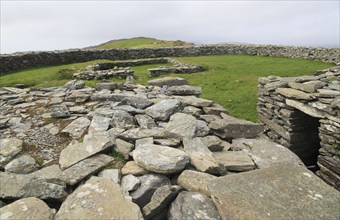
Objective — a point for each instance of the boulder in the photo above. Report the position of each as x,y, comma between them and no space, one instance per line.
160,200
16,186
149,183
201,157
236,161
99,124
195,181
84,168
22,165
162,110
98,198
132,168
184,90
60,111
77,128
230,127
282,191
9,148
111,174
169,81
192,205
160,159
75,152
175,128
27,208
265,152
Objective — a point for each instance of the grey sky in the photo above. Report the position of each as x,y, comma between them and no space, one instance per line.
49,25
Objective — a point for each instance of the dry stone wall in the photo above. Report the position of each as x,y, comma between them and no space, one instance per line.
303,114
18,61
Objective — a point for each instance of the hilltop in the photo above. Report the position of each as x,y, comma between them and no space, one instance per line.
140,42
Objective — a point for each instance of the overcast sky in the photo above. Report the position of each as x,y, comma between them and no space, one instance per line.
50,25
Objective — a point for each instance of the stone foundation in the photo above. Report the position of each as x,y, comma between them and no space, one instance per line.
302,113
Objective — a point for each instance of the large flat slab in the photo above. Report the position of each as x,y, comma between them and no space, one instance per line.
282,191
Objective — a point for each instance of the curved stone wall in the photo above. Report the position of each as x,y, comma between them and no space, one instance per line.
18,61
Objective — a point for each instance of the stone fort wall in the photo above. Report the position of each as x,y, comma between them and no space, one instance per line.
19,61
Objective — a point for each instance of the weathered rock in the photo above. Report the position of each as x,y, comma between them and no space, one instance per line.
160,200
111,174
22,165
231,127
237,161
107,85
284,189
328,93
168,142
137,102
98,198
137,133
195,181
190,110
99,124
16,186
149,184
122,119
181,126
160,159
194,101
130,183
129,109
184,90
27,208
192,205
264,152
60,111
215,109
201,157
74,84
294,94
84,168
123,147
145,121
9,148
169,81
78,110
202,129
144,142
213,143
309,87
75,152
77,128
132,168
164,109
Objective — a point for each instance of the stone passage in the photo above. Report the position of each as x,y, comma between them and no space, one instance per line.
302,113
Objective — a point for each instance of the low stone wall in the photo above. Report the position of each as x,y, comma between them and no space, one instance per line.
18,61
302,113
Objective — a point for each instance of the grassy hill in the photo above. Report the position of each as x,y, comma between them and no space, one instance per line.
140,42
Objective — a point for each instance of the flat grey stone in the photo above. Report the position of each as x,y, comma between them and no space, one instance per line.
9,148
305,108
137,102
190,110
84,168
328,93
231,127
168,142
111,174
78,110
294,94
160,159
76,152
192,205
74,84
164,109
60,111
130,183
184,90
98,198
194,101
195,181
129,109
213,143
16,186
201,157
160,200
236,161
202,129
181,126
122,119
309,87
169,81
107,85
284,190
77,128
214,109
22,165
27,208
265,152
123,147
137,133
145,121
99,124
149,184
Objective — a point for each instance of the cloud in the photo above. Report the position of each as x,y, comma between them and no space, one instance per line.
49,25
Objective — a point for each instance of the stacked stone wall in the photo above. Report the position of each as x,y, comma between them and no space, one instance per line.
19,61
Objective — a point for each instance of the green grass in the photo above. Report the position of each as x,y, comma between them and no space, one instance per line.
140,42
230,80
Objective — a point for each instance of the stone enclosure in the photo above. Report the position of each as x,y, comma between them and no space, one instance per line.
159,151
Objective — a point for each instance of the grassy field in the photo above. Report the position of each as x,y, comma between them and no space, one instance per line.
230,80
140,42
